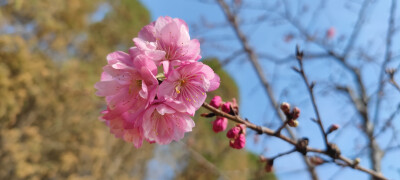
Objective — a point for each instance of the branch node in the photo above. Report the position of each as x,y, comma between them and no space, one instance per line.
333,150
301,145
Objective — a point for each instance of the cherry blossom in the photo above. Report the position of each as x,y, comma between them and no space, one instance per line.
189,84
167,41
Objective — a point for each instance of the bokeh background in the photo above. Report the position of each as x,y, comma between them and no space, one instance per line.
52,52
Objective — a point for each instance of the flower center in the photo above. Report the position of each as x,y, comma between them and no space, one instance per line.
135,85
179,86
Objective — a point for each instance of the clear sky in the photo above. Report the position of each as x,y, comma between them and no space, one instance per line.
269,38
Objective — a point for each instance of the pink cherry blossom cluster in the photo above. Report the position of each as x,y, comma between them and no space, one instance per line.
144,104
237,134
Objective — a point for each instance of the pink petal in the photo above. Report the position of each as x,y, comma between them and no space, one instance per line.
214,83
120,57
107,88
148,32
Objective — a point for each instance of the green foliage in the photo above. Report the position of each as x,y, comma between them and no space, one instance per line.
48,110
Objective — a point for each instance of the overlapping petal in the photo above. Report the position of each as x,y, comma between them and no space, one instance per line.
189,84
163,123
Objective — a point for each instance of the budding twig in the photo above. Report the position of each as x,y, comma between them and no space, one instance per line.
339,159
310,88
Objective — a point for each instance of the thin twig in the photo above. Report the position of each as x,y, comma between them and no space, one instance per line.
394,83
282,154
310,88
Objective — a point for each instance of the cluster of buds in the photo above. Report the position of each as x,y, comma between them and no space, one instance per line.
221,123
237,136
291,115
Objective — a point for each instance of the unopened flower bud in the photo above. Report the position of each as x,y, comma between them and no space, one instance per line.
356,161
316,160
332,128
239,142
220,124
285,107
296,113
293,123
216,102
233,133
269,166
226,107
330,33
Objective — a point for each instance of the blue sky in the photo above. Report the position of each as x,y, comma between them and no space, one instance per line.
268,38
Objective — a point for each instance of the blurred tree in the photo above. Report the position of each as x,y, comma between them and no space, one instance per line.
51,54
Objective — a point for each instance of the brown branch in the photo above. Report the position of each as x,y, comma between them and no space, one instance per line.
270,132
391,73
394,83
278,131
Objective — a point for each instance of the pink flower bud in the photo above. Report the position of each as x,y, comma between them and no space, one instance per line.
226,107
216,102
296,113
333,127
330,33
285,107
239,142
288,38
220,124
233,133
